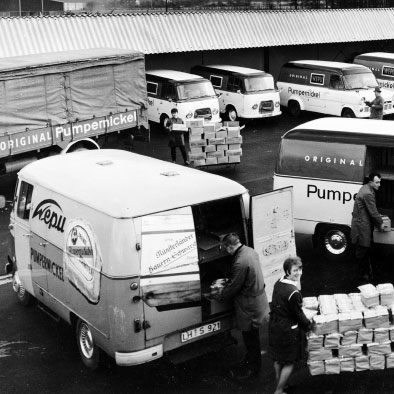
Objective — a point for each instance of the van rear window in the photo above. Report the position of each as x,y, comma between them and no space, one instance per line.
321,160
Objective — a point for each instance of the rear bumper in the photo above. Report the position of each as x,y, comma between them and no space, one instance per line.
140,357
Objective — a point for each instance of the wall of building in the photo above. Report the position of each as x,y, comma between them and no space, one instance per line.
269,59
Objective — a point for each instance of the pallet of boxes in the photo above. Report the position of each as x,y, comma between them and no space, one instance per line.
351,332
214,143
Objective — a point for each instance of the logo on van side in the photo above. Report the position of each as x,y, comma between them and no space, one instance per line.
50,212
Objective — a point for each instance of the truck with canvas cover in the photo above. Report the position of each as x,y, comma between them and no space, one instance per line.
54,102
127,257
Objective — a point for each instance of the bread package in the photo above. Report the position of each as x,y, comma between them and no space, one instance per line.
379,348
310,303
381,335
325,324
365,335
327,305
314,342
344,303
316,367
332,366
376,317
354,350
369,295
390,360
320,354
332,341
347,364
350,321
386,292
377,361
362,363
349,338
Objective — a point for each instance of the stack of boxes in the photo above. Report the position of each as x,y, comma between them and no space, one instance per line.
352,332
214,143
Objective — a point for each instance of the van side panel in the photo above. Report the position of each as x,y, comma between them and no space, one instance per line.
383,70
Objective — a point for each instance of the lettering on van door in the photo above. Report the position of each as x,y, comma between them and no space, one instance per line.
51,213
82,259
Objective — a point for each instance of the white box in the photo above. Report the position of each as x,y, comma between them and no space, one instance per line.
218,153
209,135
234,159
234,146
221,134
197,156
196,143
211,161
210,148
198,163
234,140
196,130
179,127
233,131
222,147
195,123
193,137
198,149
216,141
234,152
209,128
223,160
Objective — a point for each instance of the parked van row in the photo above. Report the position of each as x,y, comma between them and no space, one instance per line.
221,91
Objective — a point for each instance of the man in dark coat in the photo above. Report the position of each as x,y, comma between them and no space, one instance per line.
247,290
365,216
176,138
376,105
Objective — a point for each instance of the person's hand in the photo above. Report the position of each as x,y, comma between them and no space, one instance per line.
381,228
216,293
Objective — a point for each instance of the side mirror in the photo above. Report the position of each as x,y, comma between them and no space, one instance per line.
2,202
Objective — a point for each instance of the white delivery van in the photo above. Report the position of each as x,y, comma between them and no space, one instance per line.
192,95
381,64
125,247
332,88
326,161
243,92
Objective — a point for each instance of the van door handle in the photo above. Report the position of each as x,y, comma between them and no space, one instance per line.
27,235
10,227
43,243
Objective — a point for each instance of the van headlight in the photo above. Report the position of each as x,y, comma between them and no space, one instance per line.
189,115
215,111
277,104
362,101
255,106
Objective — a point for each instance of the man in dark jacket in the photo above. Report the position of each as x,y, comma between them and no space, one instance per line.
247,290
365,216
176,138
376,105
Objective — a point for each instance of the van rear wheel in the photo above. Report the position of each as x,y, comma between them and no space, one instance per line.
231,114
294,108
163,121
89,351
334,242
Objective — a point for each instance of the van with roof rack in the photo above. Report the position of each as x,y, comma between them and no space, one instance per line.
192,95
127,257
243,92
381,64
332,88
326,161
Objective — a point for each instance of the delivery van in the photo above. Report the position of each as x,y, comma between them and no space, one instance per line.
327,161
125,248
243,92
381,64
331,88
192,95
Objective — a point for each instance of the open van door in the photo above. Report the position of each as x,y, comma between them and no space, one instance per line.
273,232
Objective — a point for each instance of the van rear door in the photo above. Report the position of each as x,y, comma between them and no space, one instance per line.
273,232
170,277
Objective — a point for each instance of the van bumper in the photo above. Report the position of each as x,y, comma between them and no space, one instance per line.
260,115
140,357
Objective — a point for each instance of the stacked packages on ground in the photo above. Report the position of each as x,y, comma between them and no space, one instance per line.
214,143
351,332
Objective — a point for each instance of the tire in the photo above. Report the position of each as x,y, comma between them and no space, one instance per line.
294,108
334,242
24,298
231,114
163,121
88,350
348,113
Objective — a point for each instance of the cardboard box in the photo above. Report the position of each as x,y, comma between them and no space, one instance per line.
231,123
221,134
218,125
210,148
234,159
222,147
197,156
195,123
234,152
233,131
211,161
216,141
179,127
222,160
198,163
209,128
197,136
234,146
218,153
198,149
386,223
196,130
209,135
234,140
196,143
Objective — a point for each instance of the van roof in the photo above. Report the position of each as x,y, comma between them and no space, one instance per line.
376,56
370,132
173,75
234,69
326,66
124,185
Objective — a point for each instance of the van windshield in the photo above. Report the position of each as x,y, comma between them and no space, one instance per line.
195,90
256,84
360,81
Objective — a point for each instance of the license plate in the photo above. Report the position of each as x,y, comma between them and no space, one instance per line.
200,331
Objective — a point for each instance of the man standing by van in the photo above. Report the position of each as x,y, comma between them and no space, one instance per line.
365,216
247,290
176,138
376,105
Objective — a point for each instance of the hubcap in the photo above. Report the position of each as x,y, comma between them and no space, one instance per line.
86,340
232,115
17,285
335,242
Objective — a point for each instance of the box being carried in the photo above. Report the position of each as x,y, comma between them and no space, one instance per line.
179,128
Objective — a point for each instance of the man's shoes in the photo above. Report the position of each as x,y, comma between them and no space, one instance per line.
186,163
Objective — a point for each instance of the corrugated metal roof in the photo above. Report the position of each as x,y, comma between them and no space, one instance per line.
153,33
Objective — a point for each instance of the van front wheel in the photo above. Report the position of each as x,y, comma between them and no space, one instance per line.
334,242
231,114
88,350
294,108
24,297
348,113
